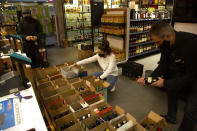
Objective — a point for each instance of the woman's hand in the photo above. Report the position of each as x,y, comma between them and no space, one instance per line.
72,66
141,81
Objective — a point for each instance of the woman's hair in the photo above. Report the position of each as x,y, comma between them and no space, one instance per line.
105,47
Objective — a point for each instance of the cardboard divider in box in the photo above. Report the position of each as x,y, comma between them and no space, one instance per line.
91,122
67,92
45,84
74,80
67,123
47,92
124,123
113,114
55,76
84,114
56,107
102,108
60,82
51,71
96,83
152,122
92,97
104,127
75,102
40,74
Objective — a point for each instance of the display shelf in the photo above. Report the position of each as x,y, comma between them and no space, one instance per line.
77,29
113,34
113,24
140,20
144,53
136,33
143,43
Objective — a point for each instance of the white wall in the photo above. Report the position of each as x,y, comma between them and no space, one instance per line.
187,27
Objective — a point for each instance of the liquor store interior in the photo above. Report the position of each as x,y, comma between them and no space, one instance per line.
98,65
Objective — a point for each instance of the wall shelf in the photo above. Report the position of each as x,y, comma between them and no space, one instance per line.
143,43
144,53
136,33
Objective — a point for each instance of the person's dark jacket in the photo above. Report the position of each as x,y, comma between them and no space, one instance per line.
178,64
31,27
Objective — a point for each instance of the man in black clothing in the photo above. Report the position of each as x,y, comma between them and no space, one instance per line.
177,71
30,30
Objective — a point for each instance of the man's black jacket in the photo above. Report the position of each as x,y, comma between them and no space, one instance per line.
178,64
31,27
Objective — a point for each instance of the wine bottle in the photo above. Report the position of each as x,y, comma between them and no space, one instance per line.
150,80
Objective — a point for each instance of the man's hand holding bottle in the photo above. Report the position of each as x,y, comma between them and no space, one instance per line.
33,38
153,81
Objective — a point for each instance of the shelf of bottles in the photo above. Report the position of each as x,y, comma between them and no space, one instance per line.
113,25
140,24
78,22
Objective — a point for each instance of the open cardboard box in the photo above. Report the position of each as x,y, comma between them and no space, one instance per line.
153,121
96,84
73,80
60,123
92,97
83,112
86,124
75,102
103,127
42,81
128,126
67,92
47,92
44,85
56,107
102,108
80,84
60,82
51,71
112,114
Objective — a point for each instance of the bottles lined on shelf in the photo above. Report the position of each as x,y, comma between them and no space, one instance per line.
112,18
139,38
112,30
141,49
140,26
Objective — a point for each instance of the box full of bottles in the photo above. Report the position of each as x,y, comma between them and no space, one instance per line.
153,121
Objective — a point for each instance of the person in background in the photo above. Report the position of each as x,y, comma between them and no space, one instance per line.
30,30
107,61
177,71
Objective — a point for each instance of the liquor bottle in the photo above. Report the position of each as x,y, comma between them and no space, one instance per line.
150,80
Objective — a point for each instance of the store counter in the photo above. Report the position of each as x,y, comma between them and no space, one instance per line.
21,116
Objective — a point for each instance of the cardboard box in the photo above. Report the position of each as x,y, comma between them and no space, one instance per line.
47,92
113,114
102,108
67,92
88,123
87,112
91,97
44,85
83,54
153,121
129,125
103,127
62,122
51,71
60,82
75,102
73,80
41,81
80,86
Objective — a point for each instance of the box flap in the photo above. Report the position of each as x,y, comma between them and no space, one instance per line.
155,117
119,110
130,117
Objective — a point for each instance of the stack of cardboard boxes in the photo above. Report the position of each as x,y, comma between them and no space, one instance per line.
75,105
84,51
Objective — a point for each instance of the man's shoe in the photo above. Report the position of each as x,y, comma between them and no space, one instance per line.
169,119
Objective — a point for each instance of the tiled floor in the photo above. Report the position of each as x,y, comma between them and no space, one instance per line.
135,99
